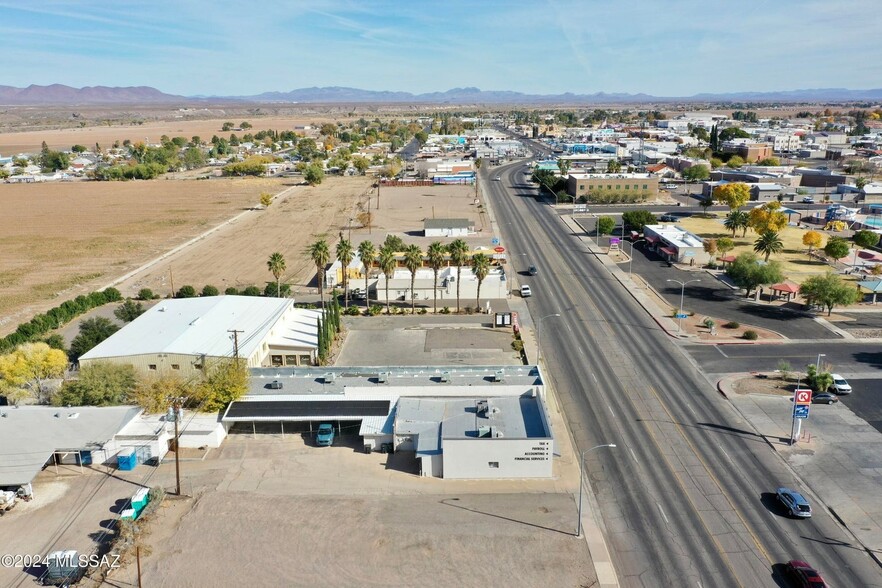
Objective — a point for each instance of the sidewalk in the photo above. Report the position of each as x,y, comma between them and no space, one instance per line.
839,457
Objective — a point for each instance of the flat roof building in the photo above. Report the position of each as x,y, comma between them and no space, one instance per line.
676,244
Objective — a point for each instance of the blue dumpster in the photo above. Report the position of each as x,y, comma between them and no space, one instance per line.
85,458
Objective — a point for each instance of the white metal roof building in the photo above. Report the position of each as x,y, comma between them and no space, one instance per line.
182,334
30,436
676,244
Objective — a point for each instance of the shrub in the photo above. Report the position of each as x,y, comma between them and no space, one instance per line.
422,311
352,311
251,291
374,310
750,335
231,291
146,294
468,310
208,290
270,290
445,310
517,345
732,325
186,292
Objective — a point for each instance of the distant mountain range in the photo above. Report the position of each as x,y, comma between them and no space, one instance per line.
60,94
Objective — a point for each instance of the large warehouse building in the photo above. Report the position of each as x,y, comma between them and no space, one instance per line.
181,335
460,422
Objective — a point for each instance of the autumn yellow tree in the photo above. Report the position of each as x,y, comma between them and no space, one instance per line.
226,380
28,370
734,195
155,394
812,240
767,218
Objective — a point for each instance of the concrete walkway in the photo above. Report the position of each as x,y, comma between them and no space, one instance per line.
838,455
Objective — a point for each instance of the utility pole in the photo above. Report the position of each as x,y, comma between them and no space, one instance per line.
176,408
379,181
235,342
171,279
138,559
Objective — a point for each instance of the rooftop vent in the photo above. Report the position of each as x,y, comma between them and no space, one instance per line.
383,377
499,376
482,406
484,431
445,376
329,378
73,415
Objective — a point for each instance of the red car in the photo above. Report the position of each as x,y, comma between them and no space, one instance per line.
805,575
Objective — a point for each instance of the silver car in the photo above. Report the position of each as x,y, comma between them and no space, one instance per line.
794,502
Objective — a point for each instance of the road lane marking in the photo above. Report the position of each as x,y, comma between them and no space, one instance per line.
662,511
634,455
595,378
717,347
692,410
726,454
611,411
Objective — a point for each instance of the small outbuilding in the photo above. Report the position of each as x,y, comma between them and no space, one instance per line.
448,227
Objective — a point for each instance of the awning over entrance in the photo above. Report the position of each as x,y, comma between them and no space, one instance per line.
668,250
304,410
651,238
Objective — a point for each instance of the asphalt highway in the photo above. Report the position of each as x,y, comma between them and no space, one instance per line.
687,496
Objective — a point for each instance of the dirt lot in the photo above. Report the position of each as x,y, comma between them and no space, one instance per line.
60,240
273,511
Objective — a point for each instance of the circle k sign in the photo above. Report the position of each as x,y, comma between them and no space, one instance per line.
802,397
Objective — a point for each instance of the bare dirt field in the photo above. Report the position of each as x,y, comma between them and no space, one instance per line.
60,240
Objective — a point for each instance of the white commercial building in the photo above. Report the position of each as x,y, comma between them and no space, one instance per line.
460,422
676,244
181,335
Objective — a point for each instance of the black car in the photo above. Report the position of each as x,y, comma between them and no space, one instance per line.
532,270
667,218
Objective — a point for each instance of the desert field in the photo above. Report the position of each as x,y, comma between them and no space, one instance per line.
60,240
12,143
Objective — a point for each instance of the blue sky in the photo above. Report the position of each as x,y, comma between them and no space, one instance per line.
665,48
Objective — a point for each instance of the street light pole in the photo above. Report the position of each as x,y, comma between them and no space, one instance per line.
818,362
682,290
581,473
631,259
538,341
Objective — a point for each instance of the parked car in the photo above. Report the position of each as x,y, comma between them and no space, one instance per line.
808,200
667,218
824,398
840,385
804,574
532,270
794,502
526,292
324,437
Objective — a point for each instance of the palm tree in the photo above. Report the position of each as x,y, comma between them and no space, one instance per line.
436,254
737,219
413,260
367,253
276,265
768,243
481,267
344,256
320,255
386,259
459,255
478,163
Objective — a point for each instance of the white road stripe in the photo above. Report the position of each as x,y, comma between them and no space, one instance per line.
595,378
692,410
661,510
634,455
723,353
611,411
726,454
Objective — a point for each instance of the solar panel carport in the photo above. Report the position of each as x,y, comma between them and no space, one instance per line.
303,411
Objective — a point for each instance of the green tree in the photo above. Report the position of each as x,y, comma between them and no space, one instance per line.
769,242
748,273
209,290
320,254
725,245
436,253
735,220
733,133
563,165
276,266
51,161
361,164
345,253
459,256
92,332
129,310
367,253
186,291
193,158
735,162
79,149
866,239
480,267
98,384
145,294
413,260
422,137
828,290
153,394
696,173
227,126
769,162
637,219
836,248
734,195
395,243
28,369
706,203
605,225
613,166
314,174
387,263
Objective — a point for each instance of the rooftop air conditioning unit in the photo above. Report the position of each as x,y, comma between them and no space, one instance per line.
482,406
445,376
329,378
498,376
382,377
484,431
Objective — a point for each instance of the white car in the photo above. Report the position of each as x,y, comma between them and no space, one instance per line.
840,385
525,291
497,178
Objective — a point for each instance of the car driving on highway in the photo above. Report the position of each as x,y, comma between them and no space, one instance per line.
804,574
525,291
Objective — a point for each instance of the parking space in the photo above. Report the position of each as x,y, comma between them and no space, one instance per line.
865,401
